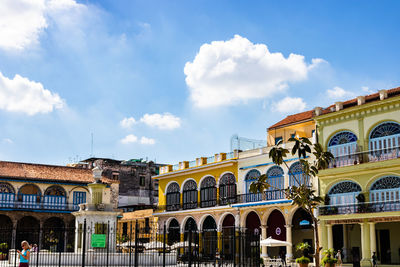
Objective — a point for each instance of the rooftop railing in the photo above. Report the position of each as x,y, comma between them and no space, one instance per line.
365,156
364,207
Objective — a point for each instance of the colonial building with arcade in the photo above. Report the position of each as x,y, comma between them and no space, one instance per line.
361,213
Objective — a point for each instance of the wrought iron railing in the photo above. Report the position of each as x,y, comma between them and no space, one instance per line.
365,156
364,207
23,205
242,198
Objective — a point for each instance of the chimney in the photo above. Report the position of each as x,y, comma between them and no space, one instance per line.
383,94
360,100
318,111
339,106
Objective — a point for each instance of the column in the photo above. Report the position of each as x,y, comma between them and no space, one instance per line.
372,237
330,235
365,245
289,248
14,235
219,241
345,236
323,242
264,249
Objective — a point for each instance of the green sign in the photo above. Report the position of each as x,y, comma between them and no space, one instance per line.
98,241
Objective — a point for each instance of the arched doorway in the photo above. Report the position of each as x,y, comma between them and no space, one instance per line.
189,197
53,234
173,232
384,141
209,238
227,189
302,231
173,197
191,227
27,229
228,238
6,227
252,237
276,229
70,235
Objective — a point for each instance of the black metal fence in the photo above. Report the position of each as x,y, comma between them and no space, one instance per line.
102,245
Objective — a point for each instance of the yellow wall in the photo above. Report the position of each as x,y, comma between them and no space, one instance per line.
301,130
215,170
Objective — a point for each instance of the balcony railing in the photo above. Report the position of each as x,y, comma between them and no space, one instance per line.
23,205
243,198
366,156
365,207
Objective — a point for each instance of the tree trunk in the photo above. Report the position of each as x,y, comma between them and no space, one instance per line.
316,235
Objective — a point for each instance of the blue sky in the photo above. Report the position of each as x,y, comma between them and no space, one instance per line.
185,75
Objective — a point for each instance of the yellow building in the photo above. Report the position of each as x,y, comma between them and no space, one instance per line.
361,214
270,212
144,219
197,195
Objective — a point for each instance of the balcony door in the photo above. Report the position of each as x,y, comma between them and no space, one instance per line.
189,197
343,197
384,142
343,146
208,192
385,193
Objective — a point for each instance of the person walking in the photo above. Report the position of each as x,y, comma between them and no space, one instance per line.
339,258
24,254
374,259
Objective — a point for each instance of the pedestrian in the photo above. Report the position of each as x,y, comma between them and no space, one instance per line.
339,258
374,258
24,254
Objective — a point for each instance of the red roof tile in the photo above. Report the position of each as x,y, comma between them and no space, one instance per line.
31,171
299,117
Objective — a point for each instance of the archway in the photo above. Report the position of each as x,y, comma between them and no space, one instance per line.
252,236
53,234
6,227
253,223
191,227
209,238
55,198
29,195
276,229
173,232
228,238
27,229
302,231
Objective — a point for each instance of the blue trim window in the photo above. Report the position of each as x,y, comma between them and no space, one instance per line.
251,176
384,141
79,197
297,175
276,180
343,146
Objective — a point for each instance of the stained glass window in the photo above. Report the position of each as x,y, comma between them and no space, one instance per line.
342,138
345,187
388,182
6,188
385,129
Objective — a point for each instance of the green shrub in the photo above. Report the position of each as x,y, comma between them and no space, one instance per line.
329,259
303,260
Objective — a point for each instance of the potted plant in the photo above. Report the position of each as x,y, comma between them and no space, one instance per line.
304,260
329,260
4,251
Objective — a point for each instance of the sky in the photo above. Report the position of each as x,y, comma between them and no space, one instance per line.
173,80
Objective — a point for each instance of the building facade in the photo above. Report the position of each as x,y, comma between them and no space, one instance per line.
361,213
270,212
36,198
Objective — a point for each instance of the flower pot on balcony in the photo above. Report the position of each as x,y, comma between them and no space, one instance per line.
303,264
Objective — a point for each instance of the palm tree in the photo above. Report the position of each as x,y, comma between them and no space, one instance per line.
301,194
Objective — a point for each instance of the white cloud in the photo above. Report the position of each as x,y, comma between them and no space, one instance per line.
8,141
22,21
366,89
127,122
164,121
228,72
147,141
290,105
338,93
22,95
129,139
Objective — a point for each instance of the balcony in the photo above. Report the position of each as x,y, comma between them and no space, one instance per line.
243,198
359,208
37,203
365,157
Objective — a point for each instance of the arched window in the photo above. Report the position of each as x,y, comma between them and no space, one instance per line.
7,195
252,176
55,198
297,175
384,141
385,189
227,189
343,195
343,146
276,180
208,192
189,195
173,197
29,195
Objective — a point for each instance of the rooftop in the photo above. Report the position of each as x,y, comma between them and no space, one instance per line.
34,171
